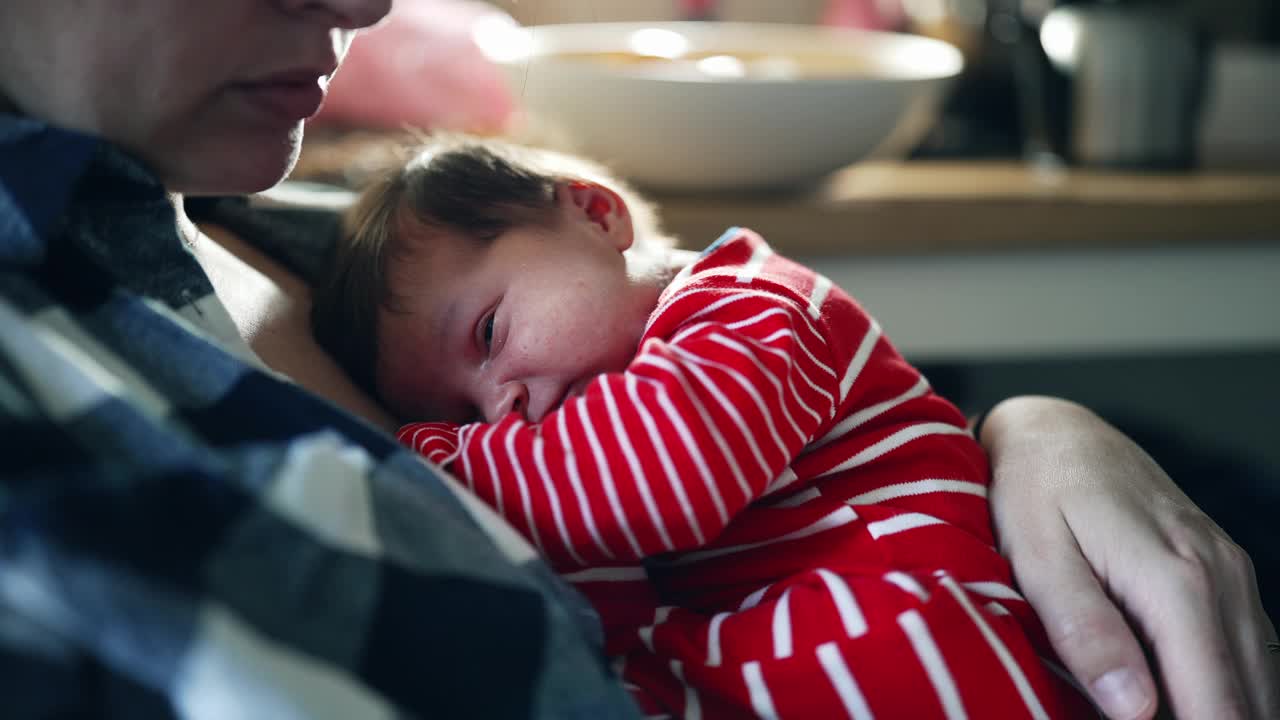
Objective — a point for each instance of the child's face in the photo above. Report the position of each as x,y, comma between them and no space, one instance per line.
518,323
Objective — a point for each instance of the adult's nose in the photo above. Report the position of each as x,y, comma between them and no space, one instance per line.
510,397
345,14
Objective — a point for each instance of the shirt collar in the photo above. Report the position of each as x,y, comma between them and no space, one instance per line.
45,169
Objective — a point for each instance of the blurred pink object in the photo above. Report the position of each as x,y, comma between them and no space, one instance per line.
698,9
420,68
864,14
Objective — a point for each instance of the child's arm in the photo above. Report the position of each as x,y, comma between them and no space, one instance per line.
660,457
743,367
731,382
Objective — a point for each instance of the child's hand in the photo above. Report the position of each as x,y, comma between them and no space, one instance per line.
435,441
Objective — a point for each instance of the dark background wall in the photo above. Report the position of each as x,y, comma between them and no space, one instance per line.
1212,420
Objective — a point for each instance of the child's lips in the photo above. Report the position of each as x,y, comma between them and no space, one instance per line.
557,402
573,390
577,388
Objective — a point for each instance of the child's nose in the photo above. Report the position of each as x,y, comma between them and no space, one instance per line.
511,397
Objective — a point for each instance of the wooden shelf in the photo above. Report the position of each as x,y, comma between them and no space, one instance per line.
928,207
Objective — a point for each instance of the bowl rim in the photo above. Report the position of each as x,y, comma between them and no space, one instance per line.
946,62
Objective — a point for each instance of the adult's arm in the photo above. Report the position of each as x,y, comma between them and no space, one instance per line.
1114,557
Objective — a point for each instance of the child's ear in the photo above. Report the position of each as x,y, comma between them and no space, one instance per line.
601,206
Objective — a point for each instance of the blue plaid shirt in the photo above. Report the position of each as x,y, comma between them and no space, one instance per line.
183,533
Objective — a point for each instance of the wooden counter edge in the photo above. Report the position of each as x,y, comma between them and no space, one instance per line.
967,207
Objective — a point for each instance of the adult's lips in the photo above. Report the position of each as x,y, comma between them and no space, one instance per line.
288,96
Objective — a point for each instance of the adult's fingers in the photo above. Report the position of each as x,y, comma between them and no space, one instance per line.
1084,626
1192,638
1251,629
1259,666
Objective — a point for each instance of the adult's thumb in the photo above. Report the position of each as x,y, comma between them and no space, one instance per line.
1092,638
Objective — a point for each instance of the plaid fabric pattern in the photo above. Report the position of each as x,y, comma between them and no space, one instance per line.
185,534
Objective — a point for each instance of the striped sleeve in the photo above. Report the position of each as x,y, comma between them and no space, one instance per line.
732,380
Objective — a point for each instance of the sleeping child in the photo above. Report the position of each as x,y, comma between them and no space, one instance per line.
773,513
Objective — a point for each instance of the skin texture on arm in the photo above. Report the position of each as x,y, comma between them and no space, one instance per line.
1114,557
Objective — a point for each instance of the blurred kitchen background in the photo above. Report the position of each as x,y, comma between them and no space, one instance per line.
1223,56
1095,214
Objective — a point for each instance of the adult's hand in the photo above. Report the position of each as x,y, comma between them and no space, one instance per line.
1114,557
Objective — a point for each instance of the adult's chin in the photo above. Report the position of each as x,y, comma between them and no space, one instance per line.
232,164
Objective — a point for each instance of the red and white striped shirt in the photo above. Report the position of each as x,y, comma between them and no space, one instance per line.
773,513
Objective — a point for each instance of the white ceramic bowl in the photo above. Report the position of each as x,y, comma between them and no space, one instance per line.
688,125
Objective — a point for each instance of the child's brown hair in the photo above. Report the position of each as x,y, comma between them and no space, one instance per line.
478,187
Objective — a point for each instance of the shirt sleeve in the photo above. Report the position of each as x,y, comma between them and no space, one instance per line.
732,380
